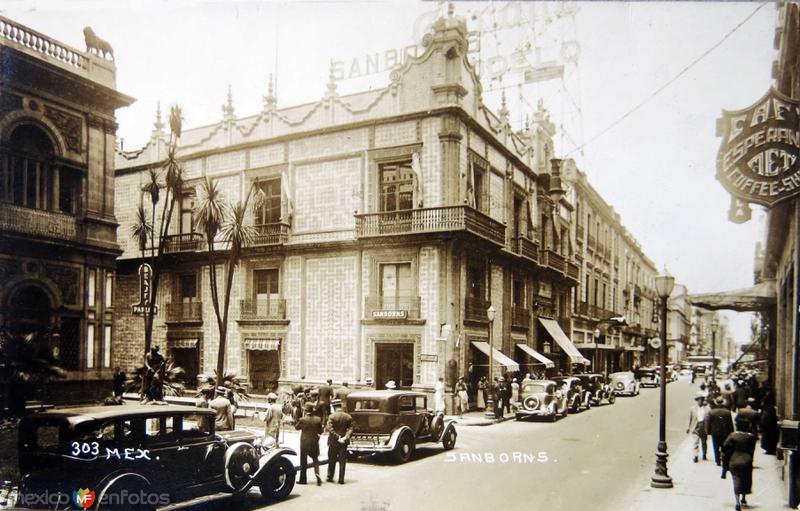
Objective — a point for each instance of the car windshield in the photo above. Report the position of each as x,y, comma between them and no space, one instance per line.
535,388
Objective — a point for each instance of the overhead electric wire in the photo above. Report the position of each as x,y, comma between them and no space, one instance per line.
672,80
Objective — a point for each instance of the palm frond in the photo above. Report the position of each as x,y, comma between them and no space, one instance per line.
175,120
236,233
153,186
173,179
230,380
141,230
212,210
173,374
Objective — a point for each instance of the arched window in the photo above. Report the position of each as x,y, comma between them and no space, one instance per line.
30,177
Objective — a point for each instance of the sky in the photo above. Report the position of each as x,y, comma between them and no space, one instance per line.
656,166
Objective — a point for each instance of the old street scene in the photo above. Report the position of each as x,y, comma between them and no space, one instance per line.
399,255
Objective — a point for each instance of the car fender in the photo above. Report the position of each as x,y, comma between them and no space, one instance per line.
448,425
266,461
399,431
121,476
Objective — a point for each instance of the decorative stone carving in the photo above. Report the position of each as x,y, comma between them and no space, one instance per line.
70,127
67,280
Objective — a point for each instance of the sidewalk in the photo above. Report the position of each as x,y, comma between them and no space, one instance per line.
477,418
697,486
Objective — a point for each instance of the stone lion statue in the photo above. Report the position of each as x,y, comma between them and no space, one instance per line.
93,42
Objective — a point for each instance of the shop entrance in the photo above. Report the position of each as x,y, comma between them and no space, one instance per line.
264,370
394,361
186,358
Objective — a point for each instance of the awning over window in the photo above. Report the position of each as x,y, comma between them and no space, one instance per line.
754,298
538,356
561,338
183,343
497,355
262,344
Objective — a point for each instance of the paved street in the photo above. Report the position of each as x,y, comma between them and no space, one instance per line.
596,460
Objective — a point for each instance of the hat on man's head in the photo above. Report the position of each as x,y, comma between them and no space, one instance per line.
272,397
719,401
391,384
308,407
751,400
699,395
221,390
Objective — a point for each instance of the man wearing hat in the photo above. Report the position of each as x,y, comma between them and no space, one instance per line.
222,406
750,414
325,396
339,428
310,427
719,424
391,385
697,424
272,418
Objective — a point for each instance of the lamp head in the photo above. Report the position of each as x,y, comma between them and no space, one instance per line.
490,312
664,284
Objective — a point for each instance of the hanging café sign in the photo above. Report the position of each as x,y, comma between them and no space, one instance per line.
758,159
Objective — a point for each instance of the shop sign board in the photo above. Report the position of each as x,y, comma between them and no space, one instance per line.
758,160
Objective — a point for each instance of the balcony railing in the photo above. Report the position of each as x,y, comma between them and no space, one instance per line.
475,309
40,223
392,307
186,242
185,312
425,220
271,234
526,248
580,233
573,271
272,308
520,317
592,242
42,44
552,260
582,308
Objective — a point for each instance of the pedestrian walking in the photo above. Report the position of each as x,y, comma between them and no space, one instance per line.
224,410
463,397
769,423
339,428
342,392
514,393
206,394
737,458
505,396
498,410
749,413
719,425
273,418
740,395
325,397
697,425
482,393
310,426
438,396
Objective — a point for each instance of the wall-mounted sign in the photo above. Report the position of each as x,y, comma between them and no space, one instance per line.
428,358
758,158
145,281
389,314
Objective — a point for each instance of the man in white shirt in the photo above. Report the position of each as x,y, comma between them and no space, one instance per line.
697,424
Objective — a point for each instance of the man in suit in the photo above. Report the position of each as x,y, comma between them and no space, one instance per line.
697,425
719,424
310,427
750,414
325,397
339,428
224,411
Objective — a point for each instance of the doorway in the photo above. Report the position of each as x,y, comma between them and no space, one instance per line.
187,359
264,369
394,361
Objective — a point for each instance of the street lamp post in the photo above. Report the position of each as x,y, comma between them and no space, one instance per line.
714,326
490,312
661,479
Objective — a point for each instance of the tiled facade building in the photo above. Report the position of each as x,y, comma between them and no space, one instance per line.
57,226
394,219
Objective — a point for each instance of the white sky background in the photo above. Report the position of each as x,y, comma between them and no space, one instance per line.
656,168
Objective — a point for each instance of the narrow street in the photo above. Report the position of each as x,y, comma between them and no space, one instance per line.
595,459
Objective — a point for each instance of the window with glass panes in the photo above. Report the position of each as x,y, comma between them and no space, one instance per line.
266,290
476,276
187,287
270,210
395,286
397,186
187,216
518,293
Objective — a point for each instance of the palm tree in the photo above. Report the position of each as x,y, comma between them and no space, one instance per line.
230,380
216,218
26,361
172,385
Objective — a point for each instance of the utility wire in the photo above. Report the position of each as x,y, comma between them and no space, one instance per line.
671,81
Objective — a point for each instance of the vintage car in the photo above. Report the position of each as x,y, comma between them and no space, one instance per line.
597,387
624,383
648,377
541,398
394,422
578,398
162,454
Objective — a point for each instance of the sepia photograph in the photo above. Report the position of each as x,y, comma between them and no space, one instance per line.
399,255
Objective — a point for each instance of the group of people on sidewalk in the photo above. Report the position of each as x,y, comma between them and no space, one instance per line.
504,391
713,415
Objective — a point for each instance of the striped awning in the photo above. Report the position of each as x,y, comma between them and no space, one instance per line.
497,356
262,344
190,343
536,355
558,335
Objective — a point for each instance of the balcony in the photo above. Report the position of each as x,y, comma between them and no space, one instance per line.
270,234
592,242
475,309
526,248
599,313
185,312
582,308
520,317
39,223
573,271
262,309
430,220
580,232
391,307
552,260
187,242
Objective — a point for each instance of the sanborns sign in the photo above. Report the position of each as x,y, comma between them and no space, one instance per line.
758,159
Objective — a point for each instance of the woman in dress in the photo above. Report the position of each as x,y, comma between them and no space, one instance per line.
463,399
482,393
438,396
514,393
737,458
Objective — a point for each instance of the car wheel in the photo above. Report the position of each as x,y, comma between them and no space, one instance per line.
116,495
278,482
449,440
405,446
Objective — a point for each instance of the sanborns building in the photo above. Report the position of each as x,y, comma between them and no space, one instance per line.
394,220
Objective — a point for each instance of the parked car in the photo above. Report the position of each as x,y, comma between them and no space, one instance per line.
624,383
395,422
578,398
597,387
165,453
542,398
648,377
